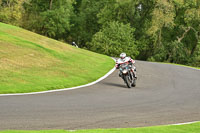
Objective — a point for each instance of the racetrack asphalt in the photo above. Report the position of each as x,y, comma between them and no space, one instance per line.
165,94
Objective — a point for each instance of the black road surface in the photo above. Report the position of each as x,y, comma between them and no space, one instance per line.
165,94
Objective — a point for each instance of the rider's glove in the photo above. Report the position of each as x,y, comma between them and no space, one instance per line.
118,66
130,62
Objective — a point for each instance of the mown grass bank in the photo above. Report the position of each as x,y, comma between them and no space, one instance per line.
188,128
180,65
31,63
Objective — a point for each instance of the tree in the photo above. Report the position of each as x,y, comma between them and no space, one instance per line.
186,31
138,14
50,4
118,10
11,11
162,17
86,21
50,18
113,39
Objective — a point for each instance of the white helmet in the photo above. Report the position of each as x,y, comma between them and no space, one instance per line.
122,55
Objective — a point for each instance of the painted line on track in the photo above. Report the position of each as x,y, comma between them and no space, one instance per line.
65,89
185,123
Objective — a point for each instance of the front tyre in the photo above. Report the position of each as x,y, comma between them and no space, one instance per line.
127,81
134,83
134,80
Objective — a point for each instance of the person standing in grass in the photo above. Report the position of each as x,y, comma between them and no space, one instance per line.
74,44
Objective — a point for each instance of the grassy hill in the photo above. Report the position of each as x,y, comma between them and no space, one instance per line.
30,62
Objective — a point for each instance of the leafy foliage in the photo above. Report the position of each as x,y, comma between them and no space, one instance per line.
86,21
50,18
113,39
11,11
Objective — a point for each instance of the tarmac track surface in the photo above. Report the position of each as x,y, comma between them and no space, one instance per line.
165,94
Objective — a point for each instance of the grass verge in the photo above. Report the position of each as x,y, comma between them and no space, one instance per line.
31,63
187,128
179,65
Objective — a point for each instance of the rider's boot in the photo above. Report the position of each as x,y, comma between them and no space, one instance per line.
120,74
135,74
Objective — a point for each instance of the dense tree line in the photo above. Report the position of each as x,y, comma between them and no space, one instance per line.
154,30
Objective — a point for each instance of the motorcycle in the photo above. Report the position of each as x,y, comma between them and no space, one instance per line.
127,75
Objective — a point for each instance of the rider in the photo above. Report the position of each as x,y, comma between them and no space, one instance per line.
123,59
74,44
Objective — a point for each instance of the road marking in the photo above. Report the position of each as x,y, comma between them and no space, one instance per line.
72,130
65,89
185,123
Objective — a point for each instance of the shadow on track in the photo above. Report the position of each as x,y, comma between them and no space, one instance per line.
115,84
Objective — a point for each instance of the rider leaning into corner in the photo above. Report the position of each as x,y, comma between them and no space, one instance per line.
124,59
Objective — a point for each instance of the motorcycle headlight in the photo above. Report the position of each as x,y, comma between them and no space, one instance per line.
124,71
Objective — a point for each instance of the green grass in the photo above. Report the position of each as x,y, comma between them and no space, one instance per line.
180,65
31,63
188,128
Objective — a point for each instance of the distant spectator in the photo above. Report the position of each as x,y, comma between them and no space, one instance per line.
74,44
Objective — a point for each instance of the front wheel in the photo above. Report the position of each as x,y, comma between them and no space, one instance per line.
127,81
134,83
134,80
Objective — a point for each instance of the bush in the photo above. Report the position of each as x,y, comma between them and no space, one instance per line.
113,39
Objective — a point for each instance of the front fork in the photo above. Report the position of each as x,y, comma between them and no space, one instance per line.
130,75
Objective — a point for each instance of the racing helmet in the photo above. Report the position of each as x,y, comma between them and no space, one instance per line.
122,55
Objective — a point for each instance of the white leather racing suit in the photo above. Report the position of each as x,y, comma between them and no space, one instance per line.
126,60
